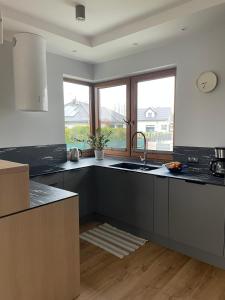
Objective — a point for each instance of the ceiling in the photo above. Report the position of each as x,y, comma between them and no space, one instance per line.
112,28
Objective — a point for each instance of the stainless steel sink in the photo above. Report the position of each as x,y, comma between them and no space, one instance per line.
133,166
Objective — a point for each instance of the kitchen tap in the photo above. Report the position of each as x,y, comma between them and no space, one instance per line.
144,158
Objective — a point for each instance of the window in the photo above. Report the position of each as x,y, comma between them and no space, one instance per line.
150,128
153,109
164,127
140,103
76,113
113,112
150,113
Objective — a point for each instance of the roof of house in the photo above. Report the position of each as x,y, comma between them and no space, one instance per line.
78,112
159,114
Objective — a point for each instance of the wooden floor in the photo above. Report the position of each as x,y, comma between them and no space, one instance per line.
152,273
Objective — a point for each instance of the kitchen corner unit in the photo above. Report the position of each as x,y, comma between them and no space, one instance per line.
14,187
184,212
39,253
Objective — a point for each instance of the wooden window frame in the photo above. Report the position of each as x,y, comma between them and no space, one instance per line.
131,106
108,84
87,152
151,154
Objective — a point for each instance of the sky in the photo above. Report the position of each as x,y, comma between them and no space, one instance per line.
156,93
72,90
114,98
152,93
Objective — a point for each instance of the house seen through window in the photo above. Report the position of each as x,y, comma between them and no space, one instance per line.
155,112
112,113
76,113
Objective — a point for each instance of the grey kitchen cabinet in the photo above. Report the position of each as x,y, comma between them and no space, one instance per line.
125,196
196,215
55,179
80,181
161,206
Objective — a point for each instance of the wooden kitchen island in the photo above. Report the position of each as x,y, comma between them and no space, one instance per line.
39,250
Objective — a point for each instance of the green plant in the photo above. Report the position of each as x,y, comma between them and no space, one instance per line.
98,141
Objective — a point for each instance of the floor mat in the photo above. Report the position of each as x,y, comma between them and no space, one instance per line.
113,240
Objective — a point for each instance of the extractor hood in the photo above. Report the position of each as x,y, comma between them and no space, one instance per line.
30,72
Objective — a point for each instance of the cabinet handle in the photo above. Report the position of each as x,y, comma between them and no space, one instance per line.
161,176
195,182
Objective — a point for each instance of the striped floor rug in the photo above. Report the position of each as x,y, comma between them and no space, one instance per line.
113,240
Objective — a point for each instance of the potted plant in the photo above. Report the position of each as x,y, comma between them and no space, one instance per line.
97,142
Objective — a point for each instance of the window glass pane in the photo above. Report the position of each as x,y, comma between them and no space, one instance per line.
77,114
155,113
112,112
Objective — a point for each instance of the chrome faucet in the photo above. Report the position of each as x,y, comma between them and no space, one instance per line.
144,158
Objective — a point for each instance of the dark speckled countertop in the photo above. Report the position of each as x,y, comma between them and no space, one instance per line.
188,174
41,194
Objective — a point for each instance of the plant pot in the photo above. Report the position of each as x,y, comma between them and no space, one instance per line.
99,154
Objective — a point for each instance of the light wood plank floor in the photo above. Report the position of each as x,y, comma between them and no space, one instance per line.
152,273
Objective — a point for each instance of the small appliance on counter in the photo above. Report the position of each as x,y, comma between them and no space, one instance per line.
217,166
75,154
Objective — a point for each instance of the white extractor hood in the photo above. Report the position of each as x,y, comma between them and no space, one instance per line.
30,73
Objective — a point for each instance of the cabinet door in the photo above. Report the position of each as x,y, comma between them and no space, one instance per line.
55,179
140,188
111,192
196,215
80,181
125,196
161,206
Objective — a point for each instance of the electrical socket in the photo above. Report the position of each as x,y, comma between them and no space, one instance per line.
193,159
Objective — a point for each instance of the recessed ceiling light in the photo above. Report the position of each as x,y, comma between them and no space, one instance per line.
135,44
74,51
183,28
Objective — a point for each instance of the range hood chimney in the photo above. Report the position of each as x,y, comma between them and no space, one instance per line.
30,73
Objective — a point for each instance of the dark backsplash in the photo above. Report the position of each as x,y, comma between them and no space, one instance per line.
204,155
36,155
55,154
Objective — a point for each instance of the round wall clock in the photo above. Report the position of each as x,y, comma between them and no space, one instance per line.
207,82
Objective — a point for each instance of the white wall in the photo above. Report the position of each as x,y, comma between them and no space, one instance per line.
36,128
199,118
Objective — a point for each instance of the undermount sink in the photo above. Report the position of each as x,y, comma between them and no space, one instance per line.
132,166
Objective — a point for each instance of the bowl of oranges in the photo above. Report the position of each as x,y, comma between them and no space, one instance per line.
174,166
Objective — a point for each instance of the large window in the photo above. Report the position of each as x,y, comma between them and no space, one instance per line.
140,103
153,109
77,113
113,112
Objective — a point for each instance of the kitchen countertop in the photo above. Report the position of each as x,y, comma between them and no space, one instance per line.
41,194
188,174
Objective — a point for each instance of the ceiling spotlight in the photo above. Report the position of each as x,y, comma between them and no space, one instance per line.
74,51
80,12
135,44
183,28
